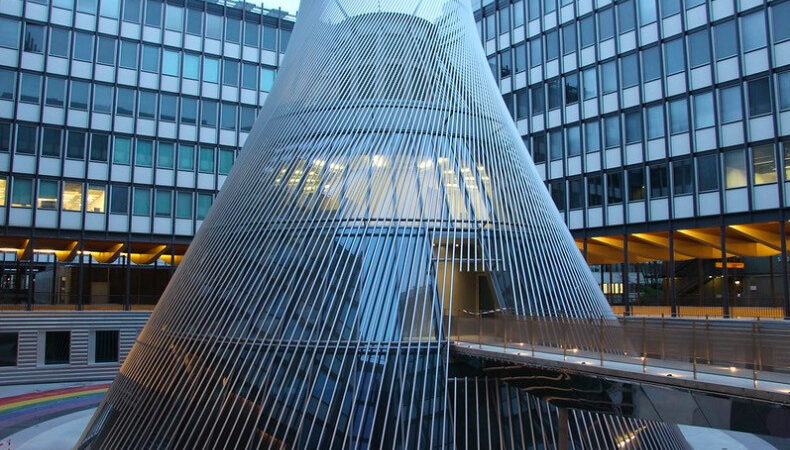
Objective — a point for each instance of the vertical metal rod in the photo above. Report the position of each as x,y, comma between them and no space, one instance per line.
694,346
785,284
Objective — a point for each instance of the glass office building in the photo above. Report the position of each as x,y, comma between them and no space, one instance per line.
661,129
657,125
119,121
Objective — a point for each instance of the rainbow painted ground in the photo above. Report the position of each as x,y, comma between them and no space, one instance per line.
22,411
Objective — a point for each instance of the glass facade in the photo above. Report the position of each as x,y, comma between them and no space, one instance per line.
120,120
685,121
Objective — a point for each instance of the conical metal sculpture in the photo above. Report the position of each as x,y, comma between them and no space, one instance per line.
383,190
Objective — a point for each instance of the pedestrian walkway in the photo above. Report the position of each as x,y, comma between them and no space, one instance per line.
46,415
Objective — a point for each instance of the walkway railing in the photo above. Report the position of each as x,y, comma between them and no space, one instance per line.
752,350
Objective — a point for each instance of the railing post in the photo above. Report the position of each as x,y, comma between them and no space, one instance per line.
644,346
754,354
694,346
480,331
532,335
600,339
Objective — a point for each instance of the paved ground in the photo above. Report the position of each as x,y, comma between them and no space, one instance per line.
46,416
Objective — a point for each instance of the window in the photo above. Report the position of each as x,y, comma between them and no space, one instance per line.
629,68
682,177
203,205
614,188
571,89
75,146
163,203
186,157
7,84
153,13
47,195
34,38
575,194
678,116
96,199
50,143
171,61
105,53
555,95
247,118
725,40
558,194
703,110
539,149
131,11
781,16
87,6
647,12
592,137
22,195
119,200
72,196
269,38
285,36
9,33
753,31
594,191
142,202
674,58
552,45
194,21
167,107
208,113
267,79
759,97
191,66
505,62
150,58
26,139
9,348
625,15
110,8
183,205
783,83
251,34
535,53
612,131
655,121
143,153
735,169
100,147
206,160
56,92
188,110
80,91
165,157
125,103
569,38
122,150
633,127
102,98
225,161
609,77
210,70
504,20
30,88
605,24
213,26
59,42
651,64
764,164
636,184
538,100
5,137
699,48
555,145
105,345
730,104
83,46
587,31
573,143
590,84
147,107
249,75
57,345
174,18
230,73
659,181
522,104
232,30
518,14
520,56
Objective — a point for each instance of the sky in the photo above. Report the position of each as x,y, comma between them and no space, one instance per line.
290,6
